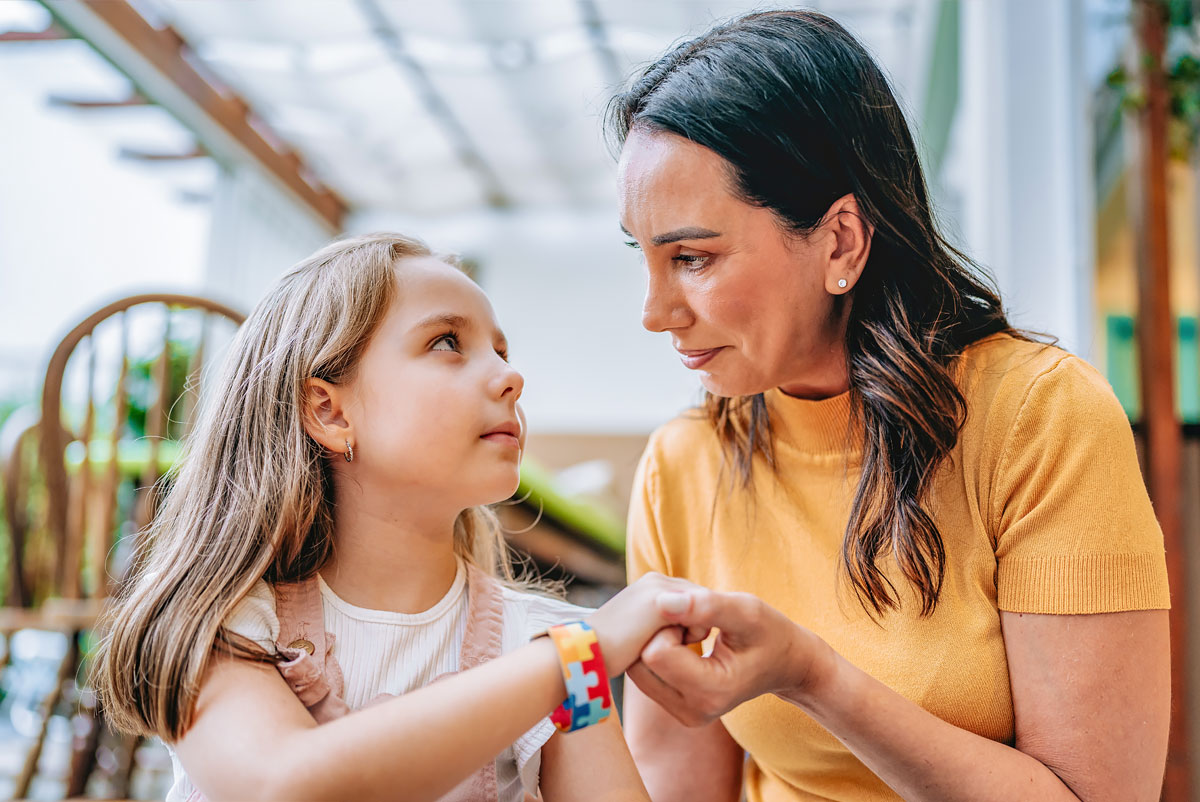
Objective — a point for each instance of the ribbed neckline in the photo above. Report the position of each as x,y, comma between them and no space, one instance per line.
444,606
812,427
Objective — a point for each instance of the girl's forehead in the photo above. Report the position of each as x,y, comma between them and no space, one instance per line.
428,285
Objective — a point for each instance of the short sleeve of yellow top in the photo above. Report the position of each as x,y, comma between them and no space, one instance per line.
1041,507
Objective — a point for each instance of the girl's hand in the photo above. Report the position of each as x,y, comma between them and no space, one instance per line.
629,620
758,650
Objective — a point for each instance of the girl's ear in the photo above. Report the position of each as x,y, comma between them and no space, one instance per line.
848,247
324,415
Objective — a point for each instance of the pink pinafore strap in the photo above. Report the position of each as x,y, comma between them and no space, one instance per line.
313,673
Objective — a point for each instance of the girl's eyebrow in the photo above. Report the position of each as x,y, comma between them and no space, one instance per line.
456,321
444,320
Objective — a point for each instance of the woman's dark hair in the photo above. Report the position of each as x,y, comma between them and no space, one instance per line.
803,116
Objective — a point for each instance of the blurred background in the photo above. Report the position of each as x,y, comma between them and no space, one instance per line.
163,162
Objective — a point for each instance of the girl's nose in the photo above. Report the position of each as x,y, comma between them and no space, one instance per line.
510,382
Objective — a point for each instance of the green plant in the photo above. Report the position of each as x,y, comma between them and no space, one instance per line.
1182,65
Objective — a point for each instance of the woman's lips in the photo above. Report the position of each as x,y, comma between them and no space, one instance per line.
694,360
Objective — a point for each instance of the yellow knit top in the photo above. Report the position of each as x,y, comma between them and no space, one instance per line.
1041,507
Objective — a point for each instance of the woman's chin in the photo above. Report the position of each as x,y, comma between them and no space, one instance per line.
731,387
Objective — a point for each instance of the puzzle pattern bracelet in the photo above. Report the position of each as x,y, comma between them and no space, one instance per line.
589,697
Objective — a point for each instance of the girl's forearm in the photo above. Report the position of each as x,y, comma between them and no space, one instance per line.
431,738
920,756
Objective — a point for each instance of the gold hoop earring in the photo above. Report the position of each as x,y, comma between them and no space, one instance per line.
349,452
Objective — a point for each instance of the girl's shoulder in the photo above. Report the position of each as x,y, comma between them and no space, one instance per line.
527,613
254,616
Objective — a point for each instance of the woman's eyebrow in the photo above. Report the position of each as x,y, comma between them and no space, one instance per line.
687,232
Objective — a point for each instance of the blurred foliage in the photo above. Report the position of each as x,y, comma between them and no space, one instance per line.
142,389
1183,78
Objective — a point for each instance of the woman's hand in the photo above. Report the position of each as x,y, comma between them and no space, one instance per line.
757,650
626,623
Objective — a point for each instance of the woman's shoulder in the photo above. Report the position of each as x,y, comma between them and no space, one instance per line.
1006,378
688,438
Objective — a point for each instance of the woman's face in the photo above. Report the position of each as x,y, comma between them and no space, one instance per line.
746,304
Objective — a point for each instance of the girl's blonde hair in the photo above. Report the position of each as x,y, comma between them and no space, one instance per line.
253,496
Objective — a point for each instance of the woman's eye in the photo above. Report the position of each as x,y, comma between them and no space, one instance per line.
633,244
692,261
450,341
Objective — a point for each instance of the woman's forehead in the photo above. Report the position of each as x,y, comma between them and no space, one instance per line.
666,175
656,156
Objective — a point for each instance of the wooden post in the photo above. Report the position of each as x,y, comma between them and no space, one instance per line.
1156,355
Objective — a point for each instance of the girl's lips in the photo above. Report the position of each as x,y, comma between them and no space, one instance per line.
504,439
693,360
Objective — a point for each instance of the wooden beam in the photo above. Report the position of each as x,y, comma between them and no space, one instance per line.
1156,357
161,65
154,156
51,33
132,101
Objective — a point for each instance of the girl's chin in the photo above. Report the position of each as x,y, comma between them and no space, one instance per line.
501,490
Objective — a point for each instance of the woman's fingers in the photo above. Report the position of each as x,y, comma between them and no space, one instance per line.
737,615
666,696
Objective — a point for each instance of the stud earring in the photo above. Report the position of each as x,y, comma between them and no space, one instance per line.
842,283
349,452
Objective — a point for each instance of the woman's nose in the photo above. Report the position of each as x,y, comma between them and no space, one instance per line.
661,310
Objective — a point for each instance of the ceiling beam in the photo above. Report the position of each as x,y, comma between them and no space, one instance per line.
132,101
163,68
598,33
51,33
138,154
464,146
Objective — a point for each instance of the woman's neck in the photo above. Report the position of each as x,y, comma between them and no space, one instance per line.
384,561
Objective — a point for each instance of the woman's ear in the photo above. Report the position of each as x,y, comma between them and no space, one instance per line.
324,415
848,246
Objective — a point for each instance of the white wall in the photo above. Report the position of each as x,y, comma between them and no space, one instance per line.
257,233
79,226
1021,161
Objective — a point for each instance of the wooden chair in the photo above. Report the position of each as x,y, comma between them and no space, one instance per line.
89,489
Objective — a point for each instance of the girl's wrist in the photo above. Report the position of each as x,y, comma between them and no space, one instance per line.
548,661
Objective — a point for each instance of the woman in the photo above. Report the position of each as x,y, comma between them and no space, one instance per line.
959,584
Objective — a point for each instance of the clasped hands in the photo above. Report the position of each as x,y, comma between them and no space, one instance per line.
646,630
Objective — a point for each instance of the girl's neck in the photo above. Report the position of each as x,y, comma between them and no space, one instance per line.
382,561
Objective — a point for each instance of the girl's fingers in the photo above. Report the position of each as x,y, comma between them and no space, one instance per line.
693,638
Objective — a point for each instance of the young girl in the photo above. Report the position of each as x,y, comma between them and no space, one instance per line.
324,557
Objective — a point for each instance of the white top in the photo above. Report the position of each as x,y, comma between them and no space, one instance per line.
385,652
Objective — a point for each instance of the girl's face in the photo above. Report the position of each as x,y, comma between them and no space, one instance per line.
746,305
434,401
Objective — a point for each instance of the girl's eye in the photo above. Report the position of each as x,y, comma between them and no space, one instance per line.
448,340
633,244
692,261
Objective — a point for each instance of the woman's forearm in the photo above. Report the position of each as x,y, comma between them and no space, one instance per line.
920,756
432,737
